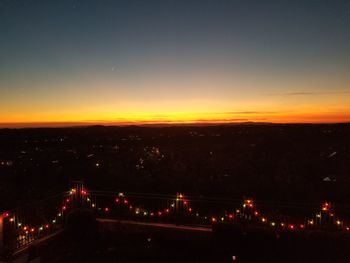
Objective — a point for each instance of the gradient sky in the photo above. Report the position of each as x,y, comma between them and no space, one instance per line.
174,61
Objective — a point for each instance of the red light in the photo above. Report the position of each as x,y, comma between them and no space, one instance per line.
160,213
302,226
24,228
185,202
117,200
152,214
64,207
130,207
213,219
250,205
6,214
347,228
256,213
167,210
46,226
190,210
32,229
291,227
67,200
125,201
230,216
106,209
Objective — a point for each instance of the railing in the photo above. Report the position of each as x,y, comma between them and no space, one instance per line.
181,209
21,226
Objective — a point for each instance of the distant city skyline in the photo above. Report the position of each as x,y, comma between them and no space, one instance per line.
75,62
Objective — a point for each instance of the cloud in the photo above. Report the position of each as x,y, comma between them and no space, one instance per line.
248,112
309,93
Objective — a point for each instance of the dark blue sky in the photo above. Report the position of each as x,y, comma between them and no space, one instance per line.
51,46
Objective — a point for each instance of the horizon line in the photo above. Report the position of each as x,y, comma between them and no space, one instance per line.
77,124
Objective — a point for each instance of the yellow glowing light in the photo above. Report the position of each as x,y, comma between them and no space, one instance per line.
166,110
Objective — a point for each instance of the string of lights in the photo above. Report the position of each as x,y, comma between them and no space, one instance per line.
179,205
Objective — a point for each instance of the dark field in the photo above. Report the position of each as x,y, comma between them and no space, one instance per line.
294,163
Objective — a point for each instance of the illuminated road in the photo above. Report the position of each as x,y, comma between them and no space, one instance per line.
159,225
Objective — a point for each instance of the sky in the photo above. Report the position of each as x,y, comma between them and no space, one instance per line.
135,62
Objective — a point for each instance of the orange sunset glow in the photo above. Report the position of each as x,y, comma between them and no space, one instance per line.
115,73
